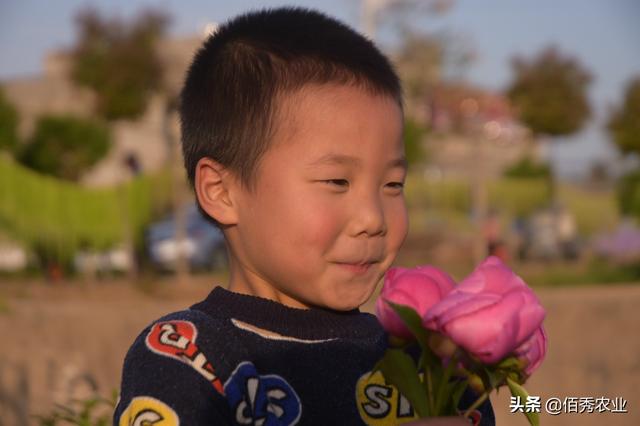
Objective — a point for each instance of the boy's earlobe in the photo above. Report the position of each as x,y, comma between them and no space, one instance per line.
213,187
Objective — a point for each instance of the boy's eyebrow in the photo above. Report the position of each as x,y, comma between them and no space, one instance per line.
332,158
399,162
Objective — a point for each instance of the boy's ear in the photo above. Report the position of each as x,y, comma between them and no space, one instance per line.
214,187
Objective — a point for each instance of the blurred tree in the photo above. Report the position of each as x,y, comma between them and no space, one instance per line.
402,14
413,134
624,128
65,147
628,194
549,93
624,121
419,62
419,56
527,168
118,60
8,124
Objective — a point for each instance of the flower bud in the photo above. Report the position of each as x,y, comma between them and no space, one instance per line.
441,345
475,383
397,342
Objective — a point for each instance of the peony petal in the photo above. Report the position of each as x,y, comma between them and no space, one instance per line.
419,288
458,304
533,350
488,333
491,331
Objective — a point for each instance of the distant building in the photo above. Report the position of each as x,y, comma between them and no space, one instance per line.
459,117
144,139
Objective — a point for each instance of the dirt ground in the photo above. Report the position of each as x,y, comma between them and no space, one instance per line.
68,341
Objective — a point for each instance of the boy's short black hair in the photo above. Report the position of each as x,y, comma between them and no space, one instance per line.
229,99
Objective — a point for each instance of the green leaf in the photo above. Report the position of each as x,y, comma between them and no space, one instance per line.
399,369
509,363
456,392
517,390
443,387
410,318
432,369
491,377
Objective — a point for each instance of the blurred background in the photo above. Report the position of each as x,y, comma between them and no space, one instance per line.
522,132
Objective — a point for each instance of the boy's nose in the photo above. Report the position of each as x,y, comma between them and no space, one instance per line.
368,217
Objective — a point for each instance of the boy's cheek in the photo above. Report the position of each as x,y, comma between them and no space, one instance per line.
398,224
318,225
318,240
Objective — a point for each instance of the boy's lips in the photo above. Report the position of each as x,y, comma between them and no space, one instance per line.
357,267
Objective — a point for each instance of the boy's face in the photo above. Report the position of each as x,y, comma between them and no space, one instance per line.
328,214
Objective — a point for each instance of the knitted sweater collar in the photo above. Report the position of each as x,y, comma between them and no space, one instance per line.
314,323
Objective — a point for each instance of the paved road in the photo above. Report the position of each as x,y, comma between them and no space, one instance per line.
61,343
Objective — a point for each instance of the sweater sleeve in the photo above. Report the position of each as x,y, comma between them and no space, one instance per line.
167,379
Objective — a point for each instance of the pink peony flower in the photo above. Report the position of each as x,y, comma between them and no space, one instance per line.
490,313
419,288
533,350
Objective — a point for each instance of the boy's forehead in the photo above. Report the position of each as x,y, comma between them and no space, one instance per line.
305,136
295,110
313,91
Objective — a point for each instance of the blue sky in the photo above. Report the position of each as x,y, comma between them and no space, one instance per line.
603,35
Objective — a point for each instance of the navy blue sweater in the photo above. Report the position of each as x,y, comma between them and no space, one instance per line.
238,359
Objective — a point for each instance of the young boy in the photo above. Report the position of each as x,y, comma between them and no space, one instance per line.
292,136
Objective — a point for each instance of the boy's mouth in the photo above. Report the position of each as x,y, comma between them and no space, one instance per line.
357,268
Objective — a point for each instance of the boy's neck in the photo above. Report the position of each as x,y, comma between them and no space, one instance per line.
246,282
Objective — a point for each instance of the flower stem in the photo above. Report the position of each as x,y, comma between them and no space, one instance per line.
477,403
444,382
429,379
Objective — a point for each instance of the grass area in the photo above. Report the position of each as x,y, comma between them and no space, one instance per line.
440,210
449,201
594,210
50,214
571,274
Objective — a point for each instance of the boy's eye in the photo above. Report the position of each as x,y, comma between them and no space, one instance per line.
396,185
337,182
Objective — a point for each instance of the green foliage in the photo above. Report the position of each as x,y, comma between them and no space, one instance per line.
413,134
95,411
516,195
628,194
8,124
518,391
399,369
65,147
58,217
118,60
448,201
594,211
526,168
449,194
519,196
624,123
594,272
549,93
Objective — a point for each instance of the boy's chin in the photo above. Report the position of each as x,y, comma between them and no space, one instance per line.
344,307
348,303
